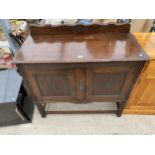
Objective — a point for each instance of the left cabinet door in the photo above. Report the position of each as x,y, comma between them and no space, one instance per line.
50,84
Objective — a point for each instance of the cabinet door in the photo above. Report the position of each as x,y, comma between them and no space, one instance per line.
109,82
144,92
51,84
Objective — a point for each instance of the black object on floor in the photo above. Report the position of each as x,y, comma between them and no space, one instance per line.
16,107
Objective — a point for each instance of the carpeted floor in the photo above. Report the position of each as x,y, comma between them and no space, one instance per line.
85,124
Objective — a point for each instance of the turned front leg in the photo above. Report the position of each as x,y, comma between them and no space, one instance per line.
120,107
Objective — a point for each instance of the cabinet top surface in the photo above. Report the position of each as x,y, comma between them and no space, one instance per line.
147,41
72,48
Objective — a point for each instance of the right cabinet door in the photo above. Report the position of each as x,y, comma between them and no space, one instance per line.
110,82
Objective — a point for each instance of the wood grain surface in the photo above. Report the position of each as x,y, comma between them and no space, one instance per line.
80,48
79,64
147,41
142,98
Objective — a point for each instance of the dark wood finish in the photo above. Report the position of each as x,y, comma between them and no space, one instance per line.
109,81
120,107
82,112
80,48
41,107
51,83
87,66
80,84
79,29
114,82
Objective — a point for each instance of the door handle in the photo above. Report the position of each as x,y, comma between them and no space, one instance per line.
81,87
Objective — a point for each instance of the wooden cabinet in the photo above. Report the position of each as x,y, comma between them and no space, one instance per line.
81,83
82,65
142,98
96,82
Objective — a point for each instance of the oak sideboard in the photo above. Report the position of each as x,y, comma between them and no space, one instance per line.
80,64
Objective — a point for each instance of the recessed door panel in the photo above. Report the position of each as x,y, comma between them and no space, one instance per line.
52,84
109,83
